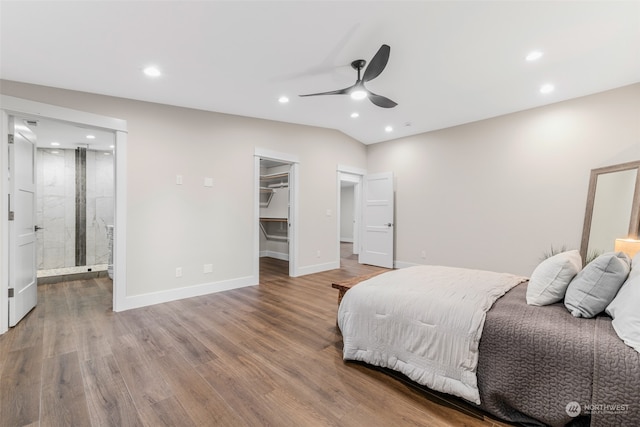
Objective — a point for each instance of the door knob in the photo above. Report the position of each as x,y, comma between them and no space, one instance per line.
36,228
389,224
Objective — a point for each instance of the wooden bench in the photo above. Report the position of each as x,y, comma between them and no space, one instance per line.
344,286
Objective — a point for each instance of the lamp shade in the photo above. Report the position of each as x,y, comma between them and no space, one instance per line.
628,246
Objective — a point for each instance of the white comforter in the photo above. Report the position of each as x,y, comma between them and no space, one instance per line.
423,321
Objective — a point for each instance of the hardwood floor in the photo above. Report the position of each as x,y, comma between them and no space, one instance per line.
262,355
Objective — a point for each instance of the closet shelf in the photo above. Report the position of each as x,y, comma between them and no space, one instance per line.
275,228
275,180
266,194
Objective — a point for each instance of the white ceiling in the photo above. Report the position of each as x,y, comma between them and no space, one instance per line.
55,135
452,62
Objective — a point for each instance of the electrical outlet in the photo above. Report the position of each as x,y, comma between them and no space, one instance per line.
318,253
179,272
178,179
423,255
207,268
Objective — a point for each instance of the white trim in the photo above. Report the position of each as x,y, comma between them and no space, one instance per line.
293,220
277,255
24,107
346,240
351,170
256,217
403,264
120,223
32,109
275,155
4,225
318,268
137,301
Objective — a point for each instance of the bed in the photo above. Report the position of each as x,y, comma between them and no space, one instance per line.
524,364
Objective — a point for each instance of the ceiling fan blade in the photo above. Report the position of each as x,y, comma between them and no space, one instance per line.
377,64
381,101
333,92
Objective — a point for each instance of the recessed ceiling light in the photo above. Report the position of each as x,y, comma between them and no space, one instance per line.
54,151
283,99
106,153
355,115
55,144
152,71
112,146
547,88
534,55
388,129
91,137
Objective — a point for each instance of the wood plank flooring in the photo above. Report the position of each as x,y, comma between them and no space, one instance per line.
266,355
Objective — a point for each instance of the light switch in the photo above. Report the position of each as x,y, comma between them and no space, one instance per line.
329,212
178,179
208,182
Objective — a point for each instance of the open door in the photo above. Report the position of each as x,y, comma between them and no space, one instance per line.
23,293
377,220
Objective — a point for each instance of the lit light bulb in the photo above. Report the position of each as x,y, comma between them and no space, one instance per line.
358,94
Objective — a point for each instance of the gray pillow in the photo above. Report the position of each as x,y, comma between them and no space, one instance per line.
551,277
593,288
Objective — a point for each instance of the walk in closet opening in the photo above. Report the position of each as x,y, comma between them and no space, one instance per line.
275,210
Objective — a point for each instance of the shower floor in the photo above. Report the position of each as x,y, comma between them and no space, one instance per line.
84,272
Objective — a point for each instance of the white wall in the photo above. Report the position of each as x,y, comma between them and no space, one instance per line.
496,194
190,225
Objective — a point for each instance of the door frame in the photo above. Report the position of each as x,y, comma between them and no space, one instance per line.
355,175
12,106
292,159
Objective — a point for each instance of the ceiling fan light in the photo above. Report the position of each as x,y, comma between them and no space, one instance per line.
152,71
358,94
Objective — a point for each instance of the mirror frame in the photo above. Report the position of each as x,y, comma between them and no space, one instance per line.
634,222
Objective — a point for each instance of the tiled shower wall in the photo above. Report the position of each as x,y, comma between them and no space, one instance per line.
55,209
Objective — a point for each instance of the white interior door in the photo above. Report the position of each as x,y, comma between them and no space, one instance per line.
23,293
377,220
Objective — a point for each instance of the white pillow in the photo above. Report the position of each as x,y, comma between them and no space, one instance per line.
593,288
549,281
625,312
635,266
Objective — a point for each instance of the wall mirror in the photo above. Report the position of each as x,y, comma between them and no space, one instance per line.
613,208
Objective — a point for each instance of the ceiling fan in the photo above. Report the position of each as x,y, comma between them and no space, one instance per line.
357,90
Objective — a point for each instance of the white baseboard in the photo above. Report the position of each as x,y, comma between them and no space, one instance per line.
276,255
403,264
138,301
317,268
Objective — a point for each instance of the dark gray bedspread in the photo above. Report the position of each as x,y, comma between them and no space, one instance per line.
534,361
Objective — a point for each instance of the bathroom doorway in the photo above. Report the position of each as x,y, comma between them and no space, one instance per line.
74,201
